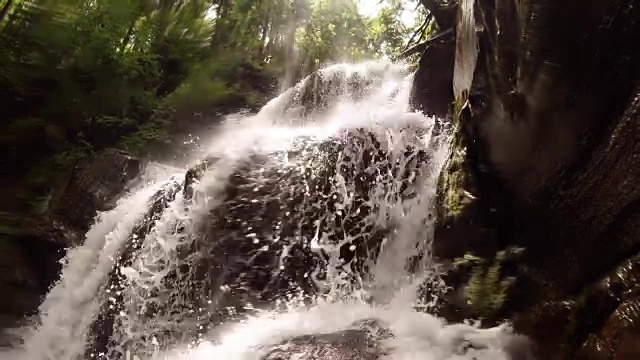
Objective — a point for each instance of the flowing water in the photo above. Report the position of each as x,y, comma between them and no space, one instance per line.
310,217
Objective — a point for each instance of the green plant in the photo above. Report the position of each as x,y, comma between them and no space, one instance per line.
487,289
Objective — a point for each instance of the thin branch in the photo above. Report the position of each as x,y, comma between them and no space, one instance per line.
423,45
420,31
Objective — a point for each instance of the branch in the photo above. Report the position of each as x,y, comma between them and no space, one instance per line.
420,30
423,45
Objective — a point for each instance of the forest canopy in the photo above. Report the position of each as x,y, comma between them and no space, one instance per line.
78,76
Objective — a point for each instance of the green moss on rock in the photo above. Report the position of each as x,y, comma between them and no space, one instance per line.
455,176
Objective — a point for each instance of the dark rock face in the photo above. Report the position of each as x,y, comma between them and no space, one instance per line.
27,268
31,245
547,148
273,214
619,337
95,186
432,90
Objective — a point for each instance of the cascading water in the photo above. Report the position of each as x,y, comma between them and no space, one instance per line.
314,216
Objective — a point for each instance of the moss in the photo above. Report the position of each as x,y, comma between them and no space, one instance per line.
455,199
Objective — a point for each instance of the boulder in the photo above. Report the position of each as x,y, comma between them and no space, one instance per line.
284,219
311,97
371,339
360,343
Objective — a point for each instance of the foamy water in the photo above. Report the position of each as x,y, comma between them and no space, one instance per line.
416,335
389,288
69,308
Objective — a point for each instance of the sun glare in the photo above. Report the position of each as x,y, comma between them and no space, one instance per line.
370,8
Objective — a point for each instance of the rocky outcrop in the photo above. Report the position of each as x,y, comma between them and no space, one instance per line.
94,186
313,95
90,186
31,245
361,343
371,339
432,90
543,166
261,243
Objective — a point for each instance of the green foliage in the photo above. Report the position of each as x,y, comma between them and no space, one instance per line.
386,33
79,63
334,31
487,289
78,76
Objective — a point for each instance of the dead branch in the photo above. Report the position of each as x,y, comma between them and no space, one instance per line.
423,45
420,31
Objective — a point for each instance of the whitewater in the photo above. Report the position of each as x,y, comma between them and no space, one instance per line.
132,265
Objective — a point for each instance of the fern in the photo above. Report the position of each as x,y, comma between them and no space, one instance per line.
487,290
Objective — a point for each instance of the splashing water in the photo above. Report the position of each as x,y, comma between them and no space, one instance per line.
310,217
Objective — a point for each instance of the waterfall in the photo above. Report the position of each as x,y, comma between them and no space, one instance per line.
315,214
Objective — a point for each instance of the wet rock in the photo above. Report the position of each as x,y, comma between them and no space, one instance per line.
257,246
102,329
620,336
591,325
366,341
362,342
31,245
616,333
547,325
94,186
273,214
342,345
432,90
27,267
